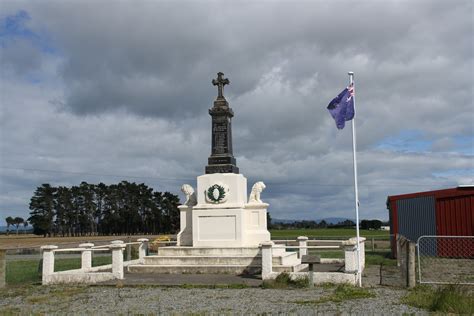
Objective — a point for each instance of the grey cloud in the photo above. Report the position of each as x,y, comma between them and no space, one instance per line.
135,87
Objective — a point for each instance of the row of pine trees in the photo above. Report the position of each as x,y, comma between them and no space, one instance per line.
100,209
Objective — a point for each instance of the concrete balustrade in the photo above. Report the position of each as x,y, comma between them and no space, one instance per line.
142,249
350,254
267,265
48,262
350,261
3,267
86,256
303,243
88,274
117,247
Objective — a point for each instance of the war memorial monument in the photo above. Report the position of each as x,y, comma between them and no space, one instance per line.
222,230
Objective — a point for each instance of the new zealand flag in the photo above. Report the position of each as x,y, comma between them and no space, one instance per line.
342,107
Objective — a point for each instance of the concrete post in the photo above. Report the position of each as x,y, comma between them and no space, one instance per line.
129,248
3,267
267,266
411,270
362,252
302,242
86,256
350,254
350,259
117,247
142,249
48,262
185,235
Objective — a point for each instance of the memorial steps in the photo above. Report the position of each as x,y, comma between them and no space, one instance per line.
245,260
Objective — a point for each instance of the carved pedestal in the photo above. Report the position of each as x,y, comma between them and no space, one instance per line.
222,217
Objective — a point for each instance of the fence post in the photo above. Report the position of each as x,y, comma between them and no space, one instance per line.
411,270
117,247
3,267
350,254
399,249
373,244
303,242
129,248
267,266
142,249
48,262
86,256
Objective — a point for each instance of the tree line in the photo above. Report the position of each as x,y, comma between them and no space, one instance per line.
310,224
17,221
100,209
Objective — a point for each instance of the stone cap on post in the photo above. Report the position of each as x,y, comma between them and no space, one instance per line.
353,241
48,247
267,244
117,244
86,245
302,238
143,240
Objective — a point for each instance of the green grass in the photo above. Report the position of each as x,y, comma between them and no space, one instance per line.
29,271
371,258
23,271
327,233
452,299
342,292
284,281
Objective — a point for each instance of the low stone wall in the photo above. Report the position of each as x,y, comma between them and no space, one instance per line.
321,277
351,262
88,274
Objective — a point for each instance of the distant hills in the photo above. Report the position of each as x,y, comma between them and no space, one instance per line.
329,220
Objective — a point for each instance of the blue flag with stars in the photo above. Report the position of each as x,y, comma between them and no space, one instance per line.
342,107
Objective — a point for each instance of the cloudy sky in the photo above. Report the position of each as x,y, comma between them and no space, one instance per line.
120,90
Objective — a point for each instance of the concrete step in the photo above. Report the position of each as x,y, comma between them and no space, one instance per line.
289,258
289,268
205,269
195,269
202,260
208,251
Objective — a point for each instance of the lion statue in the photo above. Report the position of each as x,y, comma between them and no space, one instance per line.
255,193
190,195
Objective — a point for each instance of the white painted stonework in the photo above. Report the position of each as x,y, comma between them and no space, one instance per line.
236,184
185,236
224,219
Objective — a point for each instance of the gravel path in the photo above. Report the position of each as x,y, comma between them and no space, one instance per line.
103,300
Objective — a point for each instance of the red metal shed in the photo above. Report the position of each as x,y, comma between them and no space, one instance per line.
448,212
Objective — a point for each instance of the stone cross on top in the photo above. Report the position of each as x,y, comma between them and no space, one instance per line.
220,83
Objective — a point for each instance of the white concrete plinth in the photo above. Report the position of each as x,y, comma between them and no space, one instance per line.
185,235
226,219
235,195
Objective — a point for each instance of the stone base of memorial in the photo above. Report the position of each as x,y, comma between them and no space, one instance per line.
222,216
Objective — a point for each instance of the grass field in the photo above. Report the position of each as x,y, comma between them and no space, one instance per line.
328,233
29,271
14,241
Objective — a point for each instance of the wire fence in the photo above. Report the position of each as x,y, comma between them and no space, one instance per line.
446,259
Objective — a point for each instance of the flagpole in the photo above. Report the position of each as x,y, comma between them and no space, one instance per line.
356,190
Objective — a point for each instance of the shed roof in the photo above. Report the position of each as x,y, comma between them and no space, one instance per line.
458,191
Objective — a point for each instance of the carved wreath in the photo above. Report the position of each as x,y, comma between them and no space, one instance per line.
216,194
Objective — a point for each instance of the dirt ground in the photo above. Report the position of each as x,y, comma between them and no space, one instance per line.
33,241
